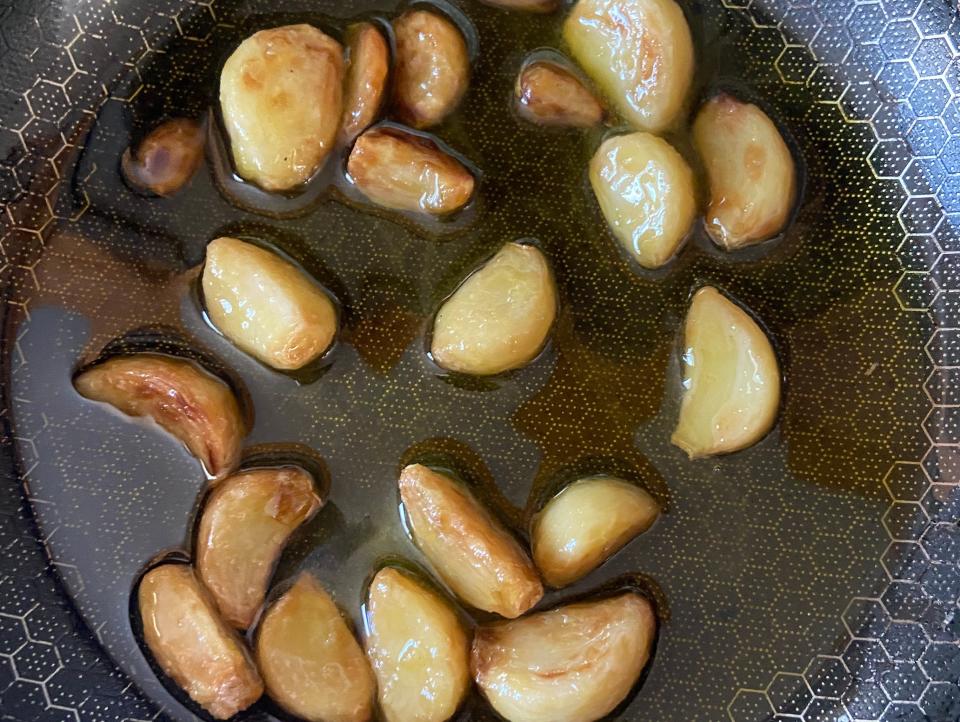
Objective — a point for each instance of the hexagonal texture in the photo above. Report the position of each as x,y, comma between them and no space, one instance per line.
866,618
941,701
906,681
907,481
905,520
904,641
856,58
789,694
905,560
866,701
905,601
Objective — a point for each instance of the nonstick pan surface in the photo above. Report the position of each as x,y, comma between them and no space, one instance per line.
814,576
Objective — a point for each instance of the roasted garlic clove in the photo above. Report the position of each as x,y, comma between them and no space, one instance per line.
243,528
367,69
432,67
639,52
418,648
549,94
499,318
192,645
166,159
731,380
194,406
750,170
281,98
473,554
530,6
646,192
575,663
408,172
586,523
267,306
310,661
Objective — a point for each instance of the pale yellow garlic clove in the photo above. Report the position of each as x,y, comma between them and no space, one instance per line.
418,648
499,318
192,645
243,528
586,523
530,6
266,305
549,94
432,68
167,158
646,192
639,52
191,404
367,70
575,663
750,170
470,551
281,99
731,380
408,172
311,663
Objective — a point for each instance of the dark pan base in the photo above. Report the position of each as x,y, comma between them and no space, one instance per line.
812,577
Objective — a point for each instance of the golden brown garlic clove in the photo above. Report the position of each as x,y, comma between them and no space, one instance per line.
646,192
575,663
281,99
639,52
408,172
750,170
166,159
192,644
311,663
367,69
473,554
432,67
418,648
194,406
267,306
587,522
549,94
499,318
243,528
731,386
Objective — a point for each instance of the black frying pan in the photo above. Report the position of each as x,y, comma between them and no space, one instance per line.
813,576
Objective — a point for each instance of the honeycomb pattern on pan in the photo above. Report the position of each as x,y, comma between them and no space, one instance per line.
897,654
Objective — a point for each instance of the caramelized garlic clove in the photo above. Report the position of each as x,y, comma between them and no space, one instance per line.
418,648
530,6
587,522
281,99
549,94
311,663
639,52
473,554
367,70
750,171
192,644
575,663
166,159
408,172
646,192
432,67
500,316
267,306
731,378
244,526
191,404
